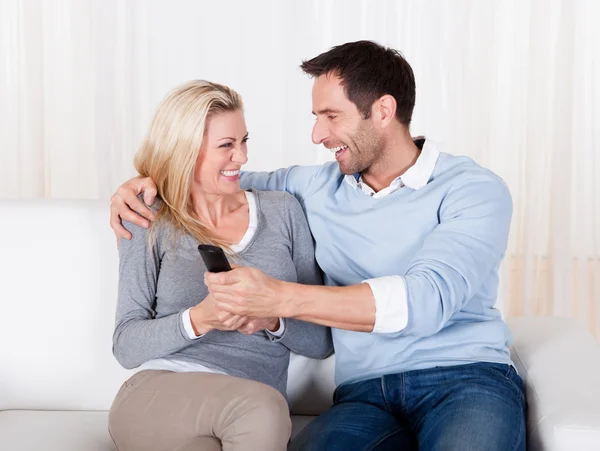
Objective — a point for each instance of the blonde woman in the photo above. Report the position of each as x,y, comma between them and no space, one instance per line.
201,384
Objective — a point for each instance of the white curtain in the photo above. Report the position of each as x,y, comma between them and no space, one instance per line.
513,84
74,92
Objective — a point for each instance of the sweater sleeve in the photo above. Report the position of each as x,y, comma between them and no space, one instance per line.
138,335
296,180
459,255
308,339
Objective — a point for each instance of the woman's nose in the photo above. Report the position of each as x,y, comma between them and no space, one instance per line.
239,156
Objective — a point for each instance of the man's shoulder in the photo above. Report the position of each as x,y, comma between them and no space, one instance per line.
324,175
462,170
318,174
331,167
470,184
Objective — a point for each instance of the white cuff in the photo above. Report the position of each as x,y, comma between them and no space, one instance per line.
391,304
187,325
279,332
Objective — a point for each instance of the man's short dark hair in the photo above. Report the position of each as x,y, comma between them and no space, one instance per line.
368,71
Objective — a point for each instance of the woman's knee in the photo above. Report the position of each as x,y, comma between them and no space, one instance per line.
116,416
270,407
262,417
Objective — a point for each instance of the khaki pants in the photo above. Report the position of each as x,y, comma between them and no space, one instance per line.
167,411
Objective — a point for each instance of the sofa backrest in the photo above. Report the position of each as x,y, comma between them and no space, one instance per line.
58,295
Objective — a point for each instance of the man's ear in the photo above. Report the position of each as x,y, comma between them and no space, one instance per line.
384,110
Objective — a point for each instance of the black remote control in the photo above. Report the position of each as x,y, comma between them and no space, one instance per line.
214,258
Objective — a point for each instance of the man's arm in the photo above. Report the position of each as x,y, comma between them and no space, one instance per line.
126,205
296,180
453,263
250,291
351,308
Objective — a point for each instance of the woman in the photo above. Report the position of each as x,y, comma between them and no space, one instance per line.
202,384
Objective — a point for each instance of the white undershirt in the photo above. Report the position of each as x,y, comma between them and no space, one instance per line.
180,366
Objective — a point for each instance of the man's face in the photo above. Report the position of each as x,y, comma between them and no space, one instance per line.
341,128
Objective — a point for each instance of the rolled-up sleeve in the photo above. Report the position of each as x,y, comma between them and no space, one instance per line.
391,305
455,260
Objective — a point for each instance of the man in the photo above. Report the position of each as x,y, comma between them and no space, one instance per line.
410,241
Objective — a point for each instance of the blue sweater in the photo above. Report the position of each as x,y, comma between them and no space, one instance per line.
446,240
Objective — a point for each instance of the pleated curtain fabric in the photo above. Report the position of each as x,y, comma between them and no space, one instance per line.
514,84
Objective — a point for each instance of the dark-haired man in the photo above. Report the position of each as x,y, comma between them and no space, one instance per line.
410,240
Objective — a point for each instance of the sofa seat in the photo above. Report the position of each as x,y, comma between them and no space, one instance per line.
28,430
58,376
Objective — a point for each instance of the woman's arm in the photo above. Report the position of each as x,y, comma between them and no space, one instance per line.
138,335
311,340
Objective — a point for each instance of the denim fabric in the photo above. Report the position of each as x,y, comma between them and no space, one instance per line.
474,407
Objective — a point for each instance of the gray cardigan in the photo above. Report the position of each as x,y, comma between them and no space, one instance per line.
157,285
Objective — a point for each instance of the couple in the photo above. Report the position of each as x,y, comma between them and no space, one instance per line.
409,239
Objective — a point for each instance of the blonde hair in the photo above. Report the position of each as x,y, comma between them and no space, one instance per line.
170,149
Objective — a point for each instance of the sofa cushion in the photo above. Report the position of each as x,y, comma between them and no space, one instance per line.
64,275
26,430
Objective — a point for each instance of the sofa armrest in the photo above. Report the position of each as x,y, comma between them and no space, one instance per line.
559,362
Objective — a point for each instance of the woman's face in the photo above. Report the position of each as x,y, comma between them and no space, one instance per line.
222,154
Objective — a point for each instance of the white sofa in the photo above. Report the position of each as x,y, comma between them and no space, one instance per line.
58,376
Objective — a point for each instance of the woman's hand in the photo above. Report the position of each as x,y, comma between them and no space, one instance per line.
254,325
206,316
124,204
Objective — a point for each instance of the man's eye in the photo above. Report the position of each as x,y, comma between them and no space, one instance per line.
331,117
245,139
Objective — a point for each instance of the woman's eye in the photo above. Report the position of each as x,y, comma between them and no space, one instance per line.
245,139
225,146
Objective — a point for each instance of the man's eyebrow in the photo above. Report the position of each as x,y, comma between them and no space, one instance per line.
327,111
233,139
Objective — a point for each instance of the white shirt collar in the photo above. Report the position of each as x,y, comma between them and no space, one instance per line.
417,176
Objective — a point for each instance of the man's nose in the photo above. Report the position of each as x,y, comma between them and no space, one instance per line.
319,132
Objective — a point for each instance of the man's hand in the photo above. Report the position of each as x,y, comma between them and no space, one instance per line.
254,325
247,292
124,204
206,316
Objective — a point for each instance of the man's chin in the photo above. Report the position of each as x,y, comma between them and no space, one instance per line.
346,169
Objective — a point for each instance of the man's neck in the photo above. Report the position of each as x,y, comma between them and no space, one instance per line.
400,154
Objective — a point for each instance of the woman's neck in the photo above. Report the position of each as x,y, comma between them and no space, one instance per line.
213,209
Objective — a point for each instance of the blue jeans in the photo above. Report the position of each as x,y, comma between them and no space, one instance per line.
473,407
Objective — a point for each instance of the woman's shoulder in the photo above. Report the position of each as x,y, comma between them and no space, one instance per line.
281,200
280,209
159,228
